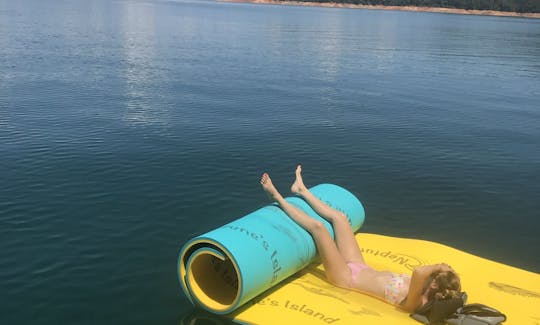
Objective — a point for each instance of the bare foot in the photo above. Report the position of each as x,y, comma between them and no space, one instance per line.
298,186
269,188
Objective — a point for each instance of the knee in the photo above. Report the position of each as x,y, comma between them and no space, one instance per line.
340,217
316,227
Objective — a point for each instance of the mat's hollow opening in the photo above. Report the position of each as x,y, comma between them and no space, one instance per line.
217,279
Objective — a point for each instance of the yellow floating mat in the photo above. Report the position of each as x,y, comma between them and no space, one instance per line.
306,298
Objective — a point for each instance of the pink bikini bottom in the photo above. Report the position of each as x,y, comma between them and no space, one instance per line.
356,268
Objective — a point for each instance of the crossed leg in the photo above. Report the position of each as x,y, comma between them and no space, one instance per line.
335,264
344,235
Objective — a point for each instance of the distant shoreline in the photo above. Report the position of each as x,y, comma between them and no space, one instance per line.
401,8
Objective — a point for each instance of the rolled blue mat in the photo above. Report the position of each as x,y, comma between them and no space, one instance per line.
228,266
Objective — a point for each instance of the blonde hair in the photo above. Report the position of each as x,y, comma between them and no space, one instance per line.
448,286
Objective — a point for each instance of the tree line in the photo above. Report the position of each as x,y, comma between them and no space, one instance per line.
498,5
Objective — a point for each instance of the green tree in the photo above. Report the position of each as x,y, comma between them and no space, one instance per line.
500,5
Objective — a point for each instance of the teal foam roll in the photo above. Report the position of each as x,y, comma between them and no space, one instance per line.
228,266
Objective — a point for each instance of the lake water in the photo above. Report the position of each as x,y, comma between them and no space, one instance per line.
128,127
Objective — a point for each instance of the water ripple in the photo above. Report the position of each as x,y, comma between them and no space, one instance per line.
128,127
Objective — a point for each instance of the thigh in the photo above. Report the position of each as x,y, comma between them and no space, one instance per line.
346,241
335,265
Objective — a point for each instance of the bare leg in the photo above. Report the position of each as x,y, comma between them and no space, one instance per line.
337,271
344,234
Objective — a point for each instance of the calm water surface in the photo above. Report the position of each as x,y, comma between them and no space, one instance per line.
128,127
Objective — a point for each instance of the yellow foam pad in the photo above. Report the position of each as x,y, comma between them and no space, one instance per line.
307,298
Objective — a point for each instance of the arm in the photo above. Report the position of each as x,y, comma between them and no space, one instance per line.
419,277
